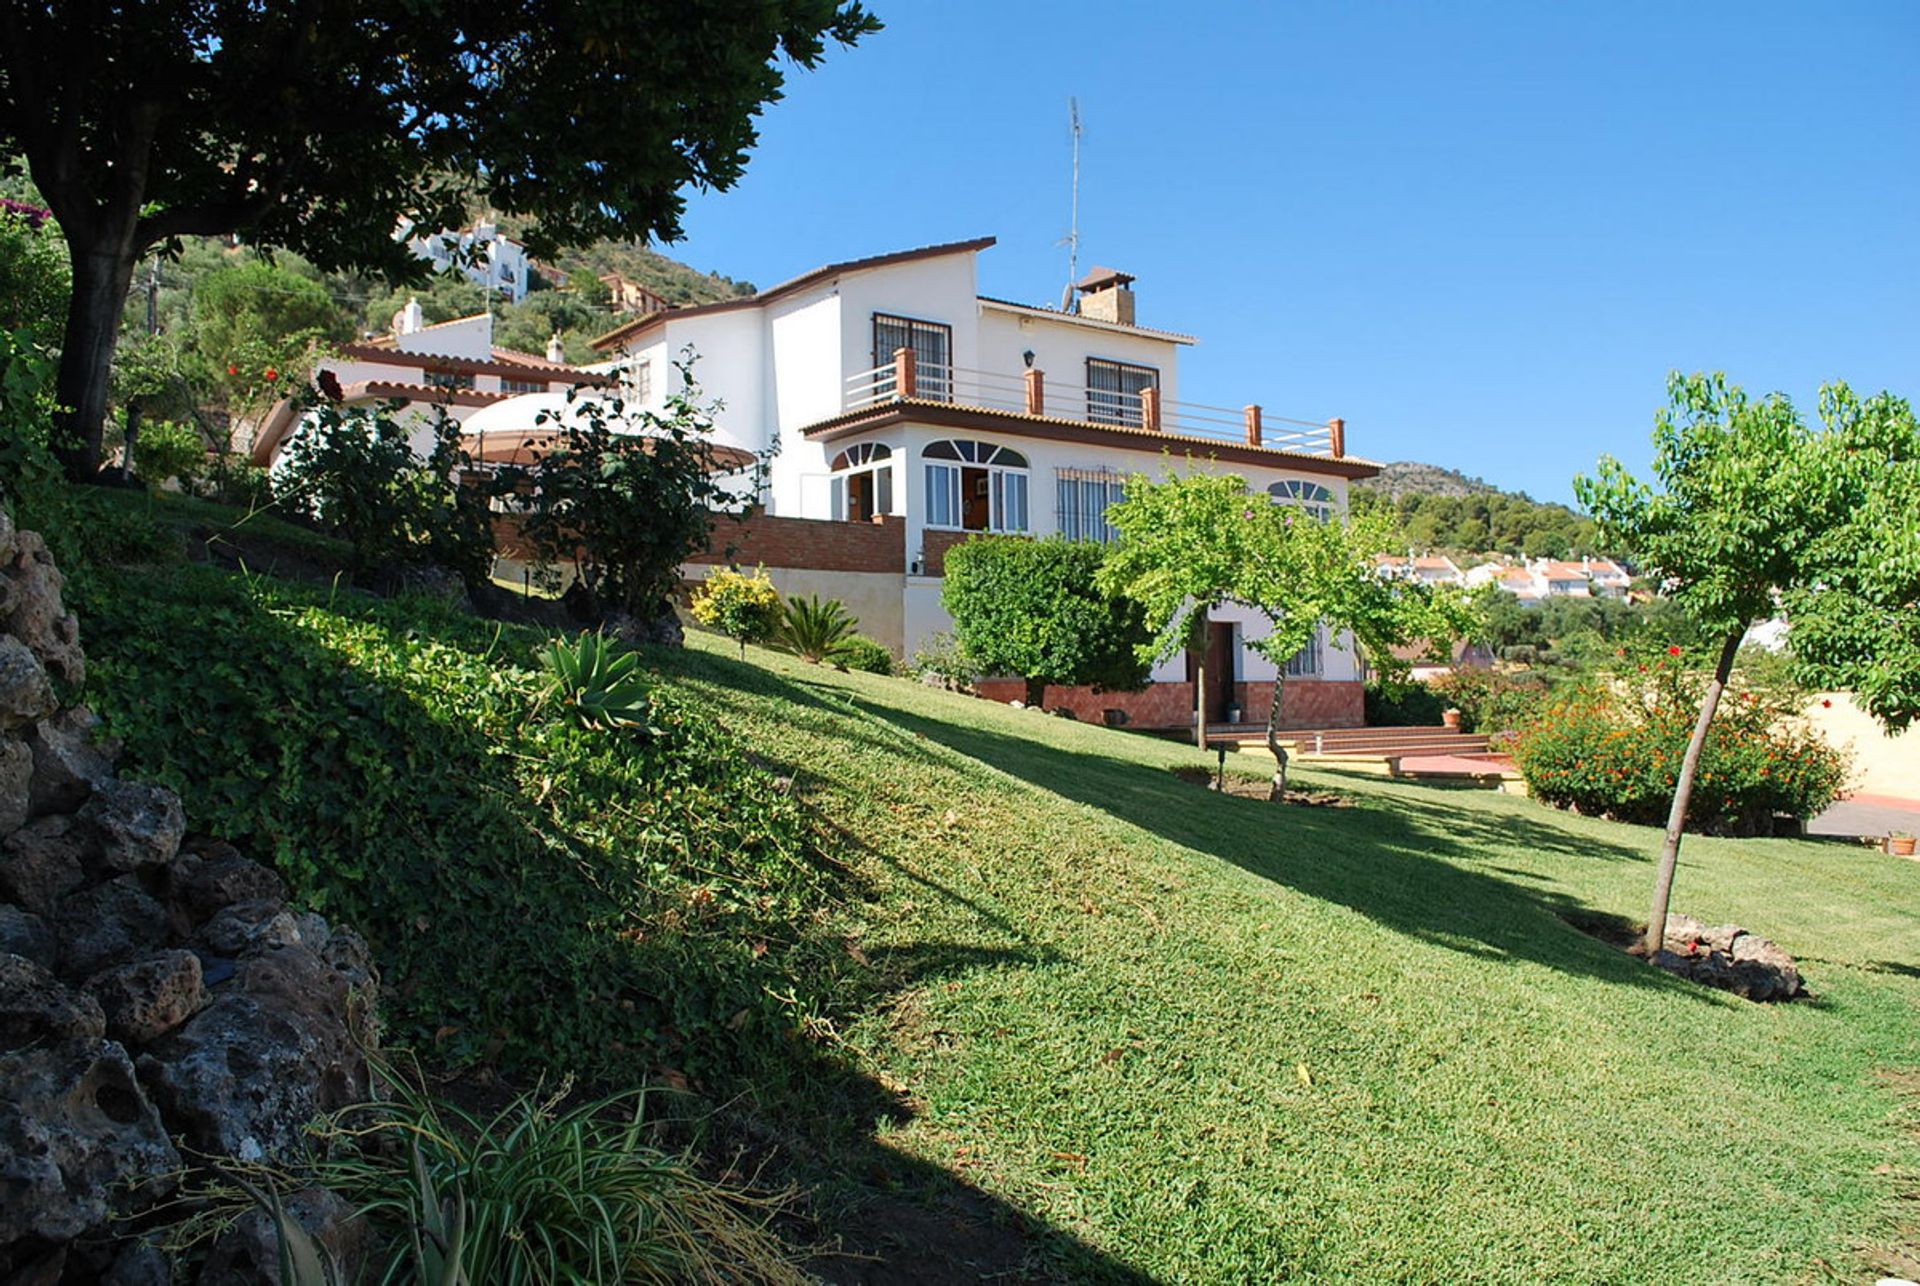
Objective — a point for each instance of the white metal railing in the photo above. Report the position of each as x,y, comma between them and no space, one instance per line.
1034,394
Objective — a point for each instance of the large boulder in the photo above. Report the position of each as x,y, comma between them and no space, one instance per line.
26,693
16,783
69,760
145,999
271,1051
79,1141
209,876
135,826
36,1007
107,924
41,862
22,933
36,616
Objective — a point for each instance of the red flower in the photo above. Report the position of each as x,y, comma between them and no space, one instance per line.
1826,703
233,370
271,374
1673,649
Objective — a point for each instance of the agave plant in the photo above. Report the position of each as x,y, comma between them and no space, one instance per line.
598,679
815,631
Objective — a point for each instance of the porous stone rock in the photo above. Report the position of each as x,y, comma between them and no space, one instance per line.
78,1140
135,825
16,783
211,875
145,999
40,863
68,761
249,1252
37,616
258,922
139,1263
107,924
1727,957
271,1051
35,1006
22,933
26,693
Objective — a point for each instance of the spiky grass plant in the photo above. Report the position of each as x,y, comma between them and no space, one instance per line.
598,679
815,631
538,1193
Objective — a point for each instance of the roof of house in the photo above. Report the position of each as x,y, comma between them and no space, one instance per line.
527,446
1077,319
505,361
284,415
790,286
1103,276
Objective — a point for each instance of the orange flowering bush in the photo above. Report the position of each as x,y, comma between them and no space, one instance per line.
1613,749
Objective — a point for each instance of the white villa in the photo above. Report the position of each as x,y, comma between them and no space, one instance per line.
909,412
1538,579
487,256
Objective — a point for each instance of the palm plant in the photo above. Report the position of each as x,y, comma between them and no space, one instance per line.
815,631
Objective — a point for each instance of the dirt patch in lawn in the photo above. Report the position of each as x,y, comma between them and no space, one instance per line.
1261,788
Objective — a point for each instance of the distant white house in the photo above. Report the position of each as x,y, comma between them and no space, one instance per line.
486,255
1429,569
910,412
454,365
1538,579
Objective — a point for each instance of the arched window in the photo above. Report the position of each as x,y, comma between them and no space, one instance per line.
863,482
975,486
1310,496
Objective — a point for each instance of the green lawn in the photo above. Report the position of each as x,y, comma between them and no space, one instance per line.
1214,1040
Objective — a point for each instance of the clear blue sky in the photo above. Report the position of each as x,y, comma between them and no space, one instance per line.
1481,232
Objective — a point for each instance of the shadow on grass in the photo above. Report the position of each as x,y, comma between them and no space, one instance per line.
1417,867
558,919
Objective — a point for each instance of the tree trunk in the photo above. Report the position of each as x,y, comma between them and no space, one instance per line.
102,275
1036,692
1656,935
1279,752
135,413
1200,698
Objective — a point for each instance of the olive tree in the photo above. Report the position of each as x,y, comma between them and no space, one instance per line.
316,125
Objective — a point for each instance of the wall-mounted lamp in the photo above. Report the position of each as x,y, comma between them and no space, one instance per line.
1027,357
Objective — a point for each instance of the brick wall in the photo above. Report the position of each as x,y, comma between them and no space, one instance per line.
811,543
934,546
1307,703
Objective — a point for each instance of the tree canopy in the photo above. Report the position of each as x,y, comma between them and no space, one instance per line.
316,127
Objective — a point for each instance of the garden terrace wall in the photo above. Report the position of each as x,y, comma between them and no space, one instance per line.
759,539
1306,703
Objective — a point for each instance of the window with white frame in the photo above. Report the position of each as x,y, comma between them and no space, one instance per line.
1310,496
642,378
863,482
1084,495
1306,663
932,345
975,486
522,386
1114,389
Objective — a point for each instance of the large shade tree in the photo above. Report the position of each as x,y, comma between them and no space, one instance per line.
1191,543
317,124
1756,510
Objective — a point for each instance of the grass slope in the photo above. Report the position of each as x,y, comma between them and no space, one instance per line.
1219,1041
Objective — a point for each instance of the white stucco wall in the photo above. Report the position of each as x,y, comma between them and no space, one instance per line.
1061,348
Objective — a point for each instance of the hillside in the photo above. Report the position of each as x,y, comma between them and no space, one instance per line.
1041,1010
1443,510
1411,477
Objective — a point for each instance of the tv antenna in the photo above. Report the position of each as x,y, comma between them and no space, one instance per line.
1073,231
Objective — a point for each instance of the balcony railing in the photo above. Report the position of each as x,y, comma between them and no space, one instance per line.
908,376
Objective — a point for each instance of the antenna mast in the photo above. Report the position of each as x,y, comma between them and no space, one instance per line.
1073,232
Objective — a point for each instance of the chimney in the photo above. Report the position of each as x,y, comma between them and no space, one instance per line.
556,351
1106,294
409,319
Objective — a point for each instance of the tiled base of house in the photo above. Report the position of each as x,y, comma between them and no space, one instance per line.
1305,703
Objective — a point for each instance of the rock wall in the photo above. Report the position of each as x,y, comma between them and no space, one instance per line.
160,1002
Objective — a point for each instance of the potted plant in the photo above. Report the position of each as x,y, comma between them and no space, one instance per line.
1450,718
1900,843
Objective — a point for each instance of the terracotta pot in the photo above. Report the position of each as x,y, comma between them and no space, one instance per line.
1450,719
1900,845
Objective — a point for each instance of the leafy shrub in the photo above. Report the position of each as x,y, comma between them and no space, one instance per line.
1490,700
1613,749
866,655
1030,607
354,470
169,449
816,631
536,1194
942,661
543,894
624,497
1402,705
741,605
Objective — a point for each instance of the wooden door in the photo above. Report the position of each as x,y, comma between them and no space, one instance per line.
1220,670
